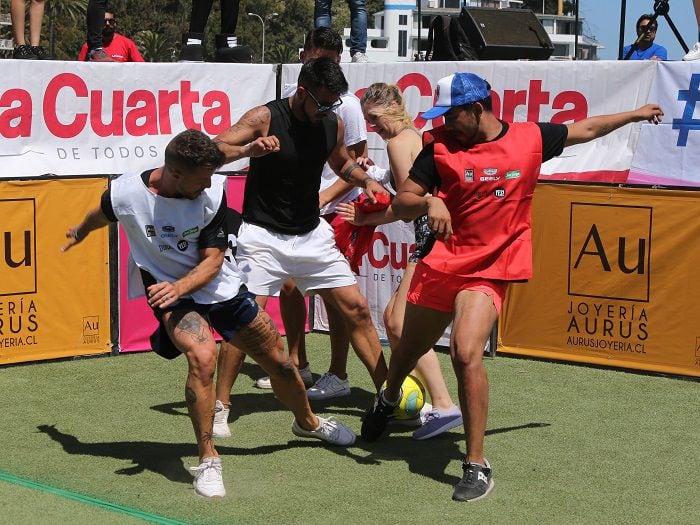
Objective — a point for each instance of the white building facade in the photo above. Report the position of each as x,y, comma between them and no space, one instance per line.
394,37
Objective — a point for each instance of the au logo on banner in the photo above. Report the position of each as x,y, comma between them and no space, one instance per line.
609,251
18,244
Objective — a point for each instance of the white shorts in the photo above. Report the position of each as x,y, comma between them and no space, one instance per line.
312,259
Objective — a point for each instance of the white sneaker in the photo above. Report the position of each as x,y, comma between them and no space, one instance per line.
305,373
359,58
329,386
328,430
208,481
694,53
220,429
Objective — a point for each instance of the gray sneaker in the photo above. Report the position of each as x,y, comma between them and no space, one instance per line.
328,430
329,386
305,373
208,481
359,58
476,482
438,421
221,429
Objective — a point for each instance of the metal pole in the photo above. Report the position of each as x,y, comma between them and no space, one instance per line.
262,23
623,12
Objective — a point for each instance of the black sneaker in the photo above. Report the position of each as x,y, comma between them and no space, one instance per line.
40,53
476,483
24,52
376,418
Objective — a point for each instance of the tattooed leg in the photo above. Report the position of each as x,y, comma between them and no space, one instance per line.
191,334
261,341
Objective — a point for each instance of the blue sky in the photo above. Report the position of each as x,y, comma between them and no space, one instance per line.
602,20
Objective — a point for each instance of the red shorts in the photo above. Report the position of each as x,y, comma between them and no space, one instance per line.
438,290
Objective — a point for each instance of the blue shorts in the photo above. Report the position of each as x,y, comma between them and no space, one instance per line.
227,318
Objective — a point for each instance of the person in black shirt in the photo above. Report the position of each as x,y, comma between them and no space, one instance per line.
282,236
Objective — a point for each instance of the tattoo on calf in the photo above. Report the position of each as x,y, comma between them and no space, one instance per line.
190,396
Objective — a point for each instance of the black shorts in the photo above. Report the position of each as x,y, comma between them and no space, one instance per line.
227,318
425,239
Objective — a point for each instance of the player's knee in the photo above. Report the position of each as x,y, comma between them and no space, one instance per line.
358,313
466,355
393,327
202,363
283,370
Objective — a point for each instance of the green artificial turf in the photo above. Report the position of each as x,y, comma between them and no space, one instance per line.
568,444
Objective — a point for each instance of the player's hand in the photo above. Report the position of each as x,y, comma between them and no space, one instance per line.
162,294
439,219
263,146
652,113
364,162
372,187
348,212
73,237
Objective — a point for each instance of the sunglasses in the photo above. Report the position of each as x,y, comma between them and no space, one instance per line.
646,28
110,21
323,108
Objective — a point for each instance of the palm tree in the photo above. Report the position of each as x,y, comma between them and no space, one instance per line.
154,47
74,10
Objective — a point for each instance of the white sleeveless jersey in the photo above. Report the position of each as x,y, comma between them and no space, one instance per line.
163,234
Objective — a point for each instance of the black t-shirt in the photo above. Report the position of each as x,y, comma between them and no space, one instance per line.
209,237
424,172
281,190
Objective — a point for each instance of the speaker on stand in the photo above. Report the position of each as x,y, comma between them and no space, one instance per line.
505,34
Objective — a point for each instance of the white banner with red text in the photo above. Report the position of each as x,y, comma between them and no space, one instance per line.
76,118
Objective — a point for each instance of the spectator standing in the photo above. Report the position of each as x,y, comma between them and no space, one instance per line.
24,50
117,47
358,25
193,47
647,49
95,22
694,53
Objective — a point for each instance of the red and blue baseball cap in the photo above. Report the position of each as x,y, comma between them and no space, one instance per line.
457,90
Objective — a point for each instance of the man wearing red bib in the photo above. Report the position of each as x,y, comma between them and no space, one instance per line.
474,179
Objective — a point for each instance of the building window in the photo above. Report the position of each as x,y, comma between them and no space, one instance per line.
403,43
403,20
425,21
381,23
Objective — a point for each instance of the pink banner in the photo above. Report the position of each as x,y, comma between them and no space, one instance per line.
136,320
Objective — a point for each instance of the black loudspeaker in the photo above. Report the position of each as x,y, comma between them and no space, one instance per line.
505,34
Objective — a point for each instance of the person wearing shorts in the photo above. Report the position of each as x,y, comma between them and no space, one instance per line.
486,171
282,236
175,219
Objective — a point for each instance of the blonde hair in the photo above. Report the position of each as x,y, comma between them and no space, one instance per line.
385,95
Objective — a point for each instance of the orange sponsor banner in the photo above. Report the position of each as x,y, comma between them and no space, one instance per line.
614,280
52,304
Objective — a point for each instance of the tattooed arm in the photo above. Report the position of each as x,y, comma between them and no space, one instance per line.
164,293
248,137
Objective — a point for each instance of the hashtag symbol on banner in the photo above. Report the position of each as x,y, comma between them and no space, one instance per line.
691,96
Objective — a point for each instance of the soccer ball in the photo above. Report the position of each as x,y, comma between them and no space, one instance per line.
412,400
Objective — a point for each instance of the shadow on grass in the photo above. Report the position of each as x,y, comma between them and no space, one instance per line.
353,405
166,459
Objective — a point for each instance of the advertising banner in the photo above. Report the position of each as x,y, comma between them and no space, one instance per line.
670,154
75,118
538,91
613,280
52,304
